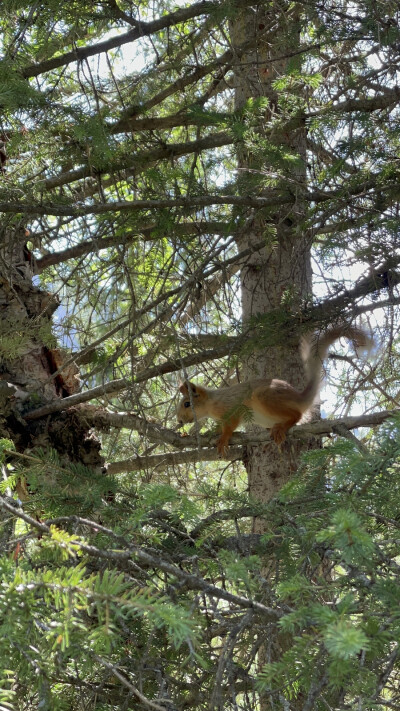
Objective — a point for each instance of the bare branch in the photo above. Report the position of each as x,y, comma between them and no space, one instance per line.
158,462
128,685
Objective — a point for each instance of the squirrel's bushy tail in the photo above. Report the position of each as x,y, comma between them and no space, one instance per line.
314,352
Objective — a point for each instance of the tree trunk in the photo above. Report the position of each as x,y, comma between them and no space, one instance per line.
29,361
277,279
276,282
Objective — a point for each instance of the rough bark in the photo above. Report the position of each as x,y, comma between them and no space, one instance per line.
29,360
277,278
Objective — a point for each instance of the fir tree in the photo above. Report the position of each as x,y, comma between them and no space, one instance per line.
187,192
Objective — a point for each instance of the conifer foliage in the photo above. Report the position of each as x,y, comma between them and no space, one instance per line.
187,190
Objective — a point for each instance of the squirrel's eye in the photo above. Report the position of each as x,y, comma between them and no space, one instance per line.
186,404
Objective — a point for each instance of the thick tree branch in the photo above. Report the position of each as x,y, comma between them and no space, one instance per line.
156,433
368,104
179,85
330,309
117,386
145,233
385,100
158,462
177,362
141,161
142,29
163,123
383,277
129,122
156,204
278,198
110,388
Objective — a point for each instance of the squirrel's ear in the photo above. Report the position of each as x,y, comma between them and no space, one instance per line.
184,387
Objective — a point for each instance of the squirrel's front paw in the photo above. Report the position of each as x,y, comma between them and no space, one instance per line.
222,447
278,434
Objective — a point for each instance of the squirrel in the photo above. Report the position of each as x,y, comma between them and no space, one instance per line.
273,404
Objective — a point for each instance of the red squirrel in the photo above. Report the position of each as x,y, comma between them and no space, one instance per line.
273,404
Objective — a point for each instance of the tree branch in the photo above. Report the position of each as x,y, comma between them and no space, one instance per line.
383,277
145,233
368,104
142,29
148,559
155,204
162,123
158,462
128,685
125,122
207,442
278,197
328,310
141,161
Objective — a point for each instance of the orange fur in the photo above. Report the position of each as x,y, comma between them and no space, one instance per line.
273,404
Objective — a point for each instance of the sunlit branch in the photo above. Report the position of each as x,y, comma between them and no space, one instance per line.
148,233
158,462
202,447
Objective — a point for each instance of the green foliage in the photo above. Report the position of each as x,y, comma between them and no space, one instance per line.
344,640
66,486
62,610
16,94
348,535
76,595
91,134
16,338
341,614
